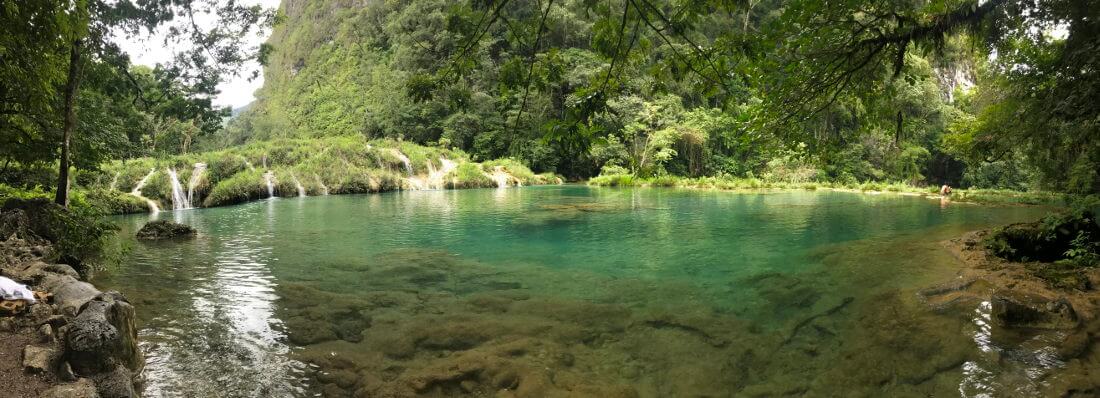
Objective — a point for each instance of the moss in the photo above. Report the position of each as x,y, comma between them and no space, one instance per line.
1049,240
1059,249
241,187
1064,274
115,202
164,229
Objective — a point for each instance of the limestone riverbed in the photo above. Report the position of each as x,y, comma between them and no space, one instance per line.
566,291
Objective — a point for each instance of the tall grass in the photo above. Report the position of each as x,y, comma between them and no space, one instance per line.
729,183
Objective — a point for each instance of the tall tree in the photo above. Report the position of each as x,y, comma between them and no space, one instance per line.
206,54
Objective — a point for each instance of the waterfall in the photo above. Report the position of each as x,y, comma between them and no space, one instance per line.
179,199
324,189
405,159
193,181
114,182
501,177
153,208
298,185
436,178
269,178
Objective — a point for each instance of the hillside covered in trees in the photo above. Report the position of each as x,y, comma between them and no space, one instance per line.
990,96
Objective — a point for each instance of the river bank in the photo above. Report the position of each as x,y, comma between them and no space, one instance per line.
76,341
750,185
1020,305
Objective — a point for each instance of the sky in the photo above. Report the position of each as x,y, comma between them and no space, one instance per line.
236,92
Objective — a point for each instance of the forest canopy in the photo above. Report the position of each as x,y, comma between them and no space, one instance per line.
990,94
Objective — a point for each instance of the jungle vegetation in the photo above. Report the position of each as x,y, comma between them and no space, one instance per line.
995,94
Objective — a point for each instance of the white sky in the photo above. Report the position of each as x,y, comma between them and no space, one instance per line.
235,92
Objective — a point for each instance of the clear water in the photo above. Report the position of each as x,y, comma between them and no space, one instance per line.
567,291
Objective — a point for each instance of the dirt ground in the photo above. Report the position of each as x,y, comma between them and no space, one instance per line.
14,382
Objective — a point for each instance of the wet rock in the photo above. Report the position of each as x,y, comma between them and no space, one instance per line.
1074,345
164,229
343,378
39,359
118,383
103,336
1015,309
305,331
82,388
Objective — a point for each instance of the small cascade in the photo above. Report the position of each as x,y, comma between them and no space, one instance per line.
153,208
114,182
269,178
436,177
263,161
405,159
179,199
298,185
324,188
193,181
502,178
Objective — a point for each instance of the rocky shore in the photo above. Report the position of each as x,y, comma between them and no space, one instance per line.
80,342
1029,311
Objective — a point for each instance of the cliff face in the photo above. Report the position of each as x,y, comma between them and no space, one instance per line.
329,72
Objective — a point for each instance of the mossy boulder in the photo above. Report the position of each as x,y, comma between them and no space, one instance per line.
164,229
1047,240
1058,249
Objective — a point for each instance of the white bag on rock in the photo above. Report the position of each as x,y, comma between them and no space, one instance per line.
12,290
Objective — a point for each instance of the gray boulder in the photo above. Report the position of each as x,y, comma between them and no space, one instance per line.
69,294
103,336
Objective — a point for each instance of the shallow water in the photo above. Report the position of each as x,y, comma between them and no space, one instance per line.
555,291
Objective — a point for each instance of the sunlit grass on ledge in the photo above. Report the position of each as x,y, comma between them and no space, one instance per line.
985,196
311,167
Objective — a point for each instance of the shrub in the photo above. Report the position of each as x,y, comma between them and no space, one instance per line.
469,175
241,187
114,202
78,233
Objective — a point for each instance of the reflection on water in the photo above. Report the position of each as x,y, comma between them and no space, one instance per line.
207,320
568,290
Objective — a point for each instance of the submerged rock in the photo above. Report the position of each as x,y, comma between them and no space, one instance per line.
164,229
1015,309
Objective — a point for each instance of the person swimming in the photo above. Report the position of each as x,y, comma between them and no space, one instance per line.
945,190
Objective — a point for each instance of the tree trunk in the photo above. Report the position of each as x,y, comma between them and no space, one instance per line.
897,132
72,85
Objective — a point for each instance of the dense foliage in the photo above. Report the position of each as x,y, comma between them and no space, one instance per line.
921,92
70,98
998,94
